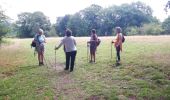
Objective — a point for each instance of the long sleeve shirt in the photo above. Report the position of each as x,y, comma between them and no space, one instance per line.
118,41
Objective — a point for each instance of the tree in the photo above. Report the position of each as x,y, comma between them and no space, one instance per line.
4,29
90,15
104,20
135,14
81,22
166,25
78,25
29,23
61,24
52,31
108,19
167,6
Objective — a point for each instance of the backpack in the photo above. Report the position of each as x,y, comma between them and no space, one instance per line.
33,44
123,38
98,42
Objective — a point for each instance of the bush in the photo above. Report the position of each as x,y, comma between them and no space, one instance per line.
146,29
132,31
166,26
52,32
3,30
152,29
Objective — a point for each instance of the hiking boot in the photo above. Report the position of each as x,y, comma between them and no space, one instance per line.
39,63
117,61
71,70
65,68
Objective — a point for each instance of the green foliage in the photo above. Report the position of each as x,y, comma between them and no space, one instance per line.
52,32
78,26
104,20
166,26
29,23
167,93
113,95
151,29
146,29
167,6
13,31
132,31
4,29
61,24
134,14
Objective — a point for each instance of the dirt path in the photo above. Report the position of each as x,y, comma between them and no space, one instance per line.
65,86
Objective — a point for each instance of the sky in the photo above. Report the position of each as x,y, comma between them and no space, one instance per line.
57,8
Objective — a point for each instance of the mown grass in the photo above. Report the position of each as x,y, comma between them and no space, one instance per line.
144,72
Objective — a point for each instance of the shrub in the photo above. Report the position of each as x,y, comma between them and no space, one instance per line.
146,29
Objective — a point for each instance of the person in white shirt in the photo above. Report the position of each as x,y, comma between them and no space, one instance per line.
70,49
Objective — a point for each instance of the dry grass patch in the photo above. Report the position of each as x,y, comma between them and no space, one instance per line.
149,39
11,56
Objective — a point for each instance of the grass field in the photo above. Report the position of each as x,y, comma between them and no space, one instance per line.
143,75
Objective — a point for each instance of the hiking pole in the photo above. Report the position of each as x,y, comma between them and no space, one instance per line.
45,62
48,63
111,50
55,59
87,52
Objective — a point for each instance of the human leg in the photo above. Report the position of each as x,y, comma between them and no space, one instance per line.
67,60
118,53
73,56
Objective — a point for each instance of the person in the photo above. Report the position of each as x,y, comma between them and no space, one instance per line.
118,43
93,45
40,41
70,49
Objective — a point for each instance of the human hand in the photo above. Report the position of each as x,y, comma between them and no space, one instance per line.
56,48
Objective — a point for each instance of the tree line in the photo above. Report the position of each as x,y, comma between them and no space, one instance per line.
135,19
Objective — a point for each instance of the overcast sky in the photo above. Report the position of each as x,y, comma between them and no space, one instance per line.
56,8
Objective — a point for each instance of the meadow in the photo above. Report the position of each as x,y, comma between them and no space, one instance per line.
144,73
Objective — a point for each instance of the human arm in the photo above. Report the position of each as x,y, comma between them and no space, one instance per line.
116,40
74,41
45,39
57,47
